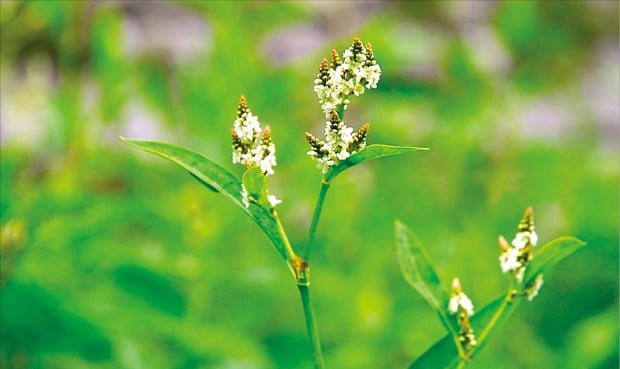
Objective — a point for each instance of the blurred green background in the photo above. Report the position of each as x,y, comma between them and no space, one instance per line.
112,258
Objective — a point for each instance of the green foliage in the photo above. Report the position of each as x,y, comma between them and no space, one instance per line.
35,320
551,253
418,271
444,354
153,288
368,153
224,182
517,103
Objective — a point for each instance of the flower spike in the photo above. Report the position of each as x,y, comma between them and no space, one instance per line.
348,75
516,256
462,306
250,144
340,142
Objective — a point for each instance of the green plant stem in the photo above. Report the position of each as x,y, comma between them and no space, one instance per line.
508,300
287,244
313,332
315,218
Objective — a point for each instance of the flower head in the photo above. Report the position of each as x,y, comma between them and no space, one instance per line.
251,145
340,142
516,255
526,236
459,302
339,78
462,306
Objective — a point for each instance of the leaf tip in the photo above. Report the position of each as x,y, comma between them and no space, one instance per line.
399,226
128,140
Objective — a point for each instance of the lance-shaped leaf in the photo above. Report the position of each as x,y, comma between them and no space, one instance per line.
551,253
369,153
418,271
219,179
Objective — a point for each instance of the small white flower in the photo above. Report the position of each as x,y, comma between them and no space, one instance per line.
534,288
509,260
459,300
264,155
273,200
533,238
525,238
372,75
358,90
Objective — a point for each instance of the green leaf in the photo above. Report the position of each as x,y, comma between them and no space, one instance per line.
208,186
444,355
255,184
369,153
219,179
551,253
418,271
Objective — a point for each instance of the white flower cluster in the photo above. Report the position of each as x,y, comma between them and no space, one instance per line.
516,255
462,306
459,300
356,71
340,142
533,288
251,145
245,197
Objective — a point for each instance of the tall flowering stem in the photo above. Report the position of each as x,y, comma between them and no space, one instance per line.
252,147
350,74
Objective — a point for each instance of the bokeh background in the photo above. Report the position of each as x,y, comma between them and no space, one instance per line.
112,258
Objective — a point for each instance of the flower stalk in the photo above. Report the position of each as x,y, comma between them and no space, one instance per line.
311,326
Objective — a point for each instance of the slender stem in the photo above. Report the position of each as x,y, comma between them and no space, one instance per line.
304,292
315,219
313,332
287,244
498,313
